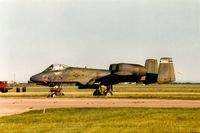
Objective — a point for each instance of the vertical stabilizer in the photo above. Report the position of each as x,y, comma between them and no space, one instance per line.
166,71
152,71
152,66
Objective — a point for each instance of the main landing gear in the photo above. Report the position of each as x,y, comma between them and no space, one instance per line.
103,92
55,91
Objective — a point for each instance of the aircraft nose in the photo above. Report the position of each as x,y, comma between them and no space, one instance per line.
35,78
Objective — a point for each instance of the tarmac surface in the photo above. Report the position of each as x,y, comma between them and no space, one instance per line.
10,106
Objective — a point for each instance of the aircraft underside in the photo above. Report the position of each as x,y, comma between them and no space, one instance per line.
100,90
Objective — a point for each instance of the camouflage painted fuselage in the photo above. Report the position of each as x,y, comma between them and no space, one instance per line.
80,76
90,77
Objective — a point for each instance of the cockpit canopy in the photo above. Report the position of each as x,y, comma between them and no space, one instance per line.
56,67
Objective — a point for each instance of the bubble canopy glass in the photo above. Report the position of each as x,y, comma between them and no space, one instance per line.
56,67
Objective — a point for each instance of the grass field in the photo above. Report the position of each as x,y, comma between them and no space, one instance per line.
129,96
142,96
128,88
141,120
194,88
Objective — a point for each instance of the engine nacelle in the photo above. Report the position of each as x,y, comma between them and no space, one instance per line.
123,69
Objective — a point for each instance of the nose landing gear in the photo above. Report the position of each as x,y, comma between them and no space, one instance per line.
55,91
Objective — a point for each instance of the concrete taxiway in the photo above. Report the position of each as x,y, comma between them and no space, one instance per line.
10,106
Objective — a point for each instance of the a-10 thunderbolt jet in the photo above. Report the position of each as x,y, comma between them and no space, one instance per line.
57,74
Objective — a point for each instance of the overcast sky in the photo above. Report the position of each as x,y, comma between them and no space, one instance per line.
95,33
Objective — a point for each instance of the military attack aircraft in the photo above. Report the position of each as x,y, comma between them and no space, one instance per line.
57,74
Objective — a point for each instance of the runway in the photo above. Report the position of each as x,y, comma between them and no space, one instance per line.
10,106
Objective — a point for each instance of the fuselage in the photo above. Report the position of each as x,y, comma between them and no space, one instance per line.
58,74
83,76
